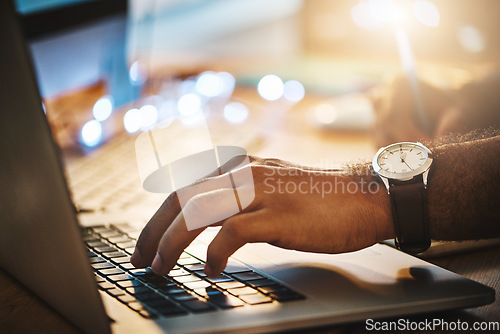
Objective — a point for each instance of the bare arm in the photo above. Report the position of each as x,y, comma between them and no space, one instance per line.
464,190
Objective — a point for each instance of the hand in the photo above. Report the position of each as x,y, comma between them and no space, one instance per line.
294,207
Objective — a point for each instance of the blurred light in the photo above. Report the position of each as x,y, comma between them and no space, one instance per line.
235,112
103,108
362,17
325,113
91,133
132,120
471,39
137,73
189,104
426,13
209,84
44,110
293,90
384,10
270,87
228,82
166,113
149,116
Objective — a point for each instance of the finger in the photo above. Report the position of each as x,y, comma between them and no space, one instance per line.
150,236
235,232
202,210
172,244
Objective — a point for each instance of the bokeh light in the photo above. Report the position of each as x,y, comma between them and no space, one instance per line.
235,112
270,87
471,39
149,116
91,134
426,13
103,108
132,120
325,113
293,91
362,17
137,73
189,104
228,83
209,84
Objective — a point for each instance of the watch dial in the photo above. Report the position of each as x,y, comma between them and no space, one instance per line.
402,158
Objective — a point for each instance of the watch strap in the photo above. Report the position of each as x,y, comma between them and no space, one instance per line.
409,210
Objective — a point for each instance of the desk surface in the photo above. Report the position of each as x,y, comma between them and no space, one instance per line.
291,138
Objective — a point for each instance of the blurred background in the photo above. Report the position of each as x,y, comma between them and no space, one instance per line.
101,61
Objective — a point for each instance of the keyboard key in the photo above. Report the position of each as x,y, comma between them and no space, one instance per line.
197,306
119,277
225,301
205,292
188,260
126,299
97,243
105,285
99,279
127,266
183,296
137,290
102,265
230,285
96,259
126,244
111,255
171,290
119,238
112,233
255,299
129,284
242,291
115,292
247,276
120,260
103,249
197,285
178,272
219,279
111,271
129,250
185,279
194,267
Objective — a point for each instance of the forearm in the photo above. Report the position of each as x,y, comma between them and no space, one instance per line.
464,190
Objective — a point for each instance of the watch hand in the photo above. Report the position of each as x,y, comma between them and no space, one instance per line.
407,165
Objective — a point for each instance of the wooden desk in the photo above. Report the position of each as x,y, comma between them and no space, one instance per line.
23,312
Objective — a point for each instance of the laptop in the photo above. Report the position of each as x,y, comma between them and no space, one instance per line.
82,270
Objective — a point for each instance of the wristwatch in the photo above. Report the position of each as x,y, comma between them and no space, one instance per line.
403,168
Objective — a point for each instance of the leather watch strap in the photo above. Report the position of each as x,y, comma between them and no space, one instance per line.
409,210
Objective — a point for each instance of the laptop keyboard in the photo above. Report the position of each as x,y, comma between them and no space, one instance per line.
186,289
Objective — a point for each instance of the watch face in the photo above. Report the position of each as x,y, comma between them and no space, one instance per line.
402,160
